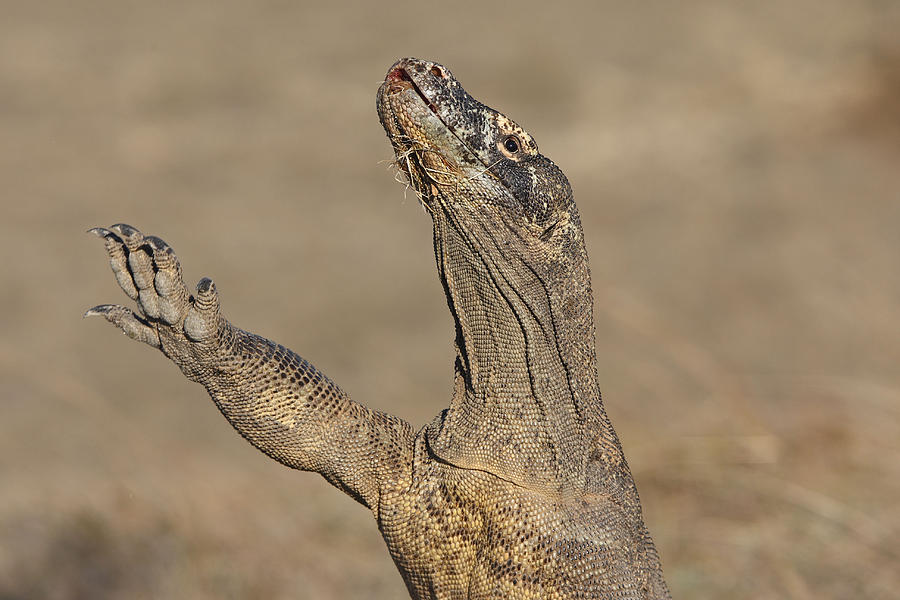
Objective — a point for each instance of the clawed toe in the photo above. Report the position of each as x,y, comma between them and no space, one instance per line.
126,320
168,284
202,320
118,259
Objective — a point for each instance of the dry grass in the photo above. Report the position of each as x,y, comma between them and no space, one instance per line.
736,169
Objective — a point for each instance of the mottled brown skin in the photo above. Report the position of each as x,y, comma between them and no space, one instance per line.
519,489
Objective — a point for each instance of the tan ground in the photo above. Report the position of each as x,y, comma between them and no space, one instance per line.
737,172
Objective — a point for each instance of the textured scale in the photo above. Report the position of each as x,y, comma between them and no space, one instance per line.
519,489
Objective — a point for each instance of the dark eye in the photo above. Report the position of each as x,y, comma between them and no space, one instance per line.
511,143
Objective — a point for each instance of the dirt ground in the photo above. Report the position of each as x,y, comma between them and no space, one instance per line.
736,167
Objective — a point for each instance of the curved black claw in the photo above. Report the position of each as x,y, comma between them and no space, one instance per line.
126,232
100,232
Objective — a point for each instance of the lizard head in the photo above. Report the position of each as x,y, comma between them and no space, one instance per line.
458,152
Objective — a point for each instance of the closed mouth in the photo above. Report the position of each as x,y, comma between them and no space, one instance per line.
398,80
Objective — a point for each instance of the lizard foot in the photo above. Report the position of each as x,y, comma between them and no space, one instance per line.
148,271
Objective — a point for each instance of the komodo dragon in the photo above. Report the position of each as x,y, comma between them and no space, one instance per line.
519,489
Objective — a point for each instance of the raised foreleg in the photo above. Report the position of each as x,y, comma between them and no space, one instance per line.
274,398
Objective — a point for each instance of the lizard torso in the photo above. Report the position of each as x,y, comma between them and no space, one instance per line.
459,533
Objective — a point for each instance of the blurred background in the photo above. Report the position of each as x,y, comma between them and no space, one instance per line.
736,168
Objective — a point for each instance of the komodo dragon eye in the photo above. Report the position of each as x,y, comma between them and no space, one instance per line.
511,144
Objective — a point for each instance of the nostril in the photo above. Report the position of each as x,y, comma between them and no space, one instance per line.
437,72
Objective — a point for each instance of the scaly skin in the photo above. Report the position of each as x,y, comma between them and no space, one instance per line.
519,489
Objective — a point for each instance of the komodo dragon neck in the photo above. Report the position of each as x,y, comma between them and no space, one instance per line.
511,257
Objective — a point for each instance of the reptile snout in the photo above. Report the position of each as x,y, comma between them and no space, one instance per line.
418,70
397,80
